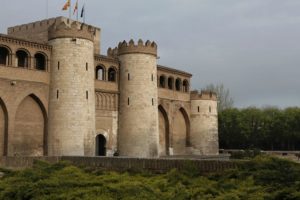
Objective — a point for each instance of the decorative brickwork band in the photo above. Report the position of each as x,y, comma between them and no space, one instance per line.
61,29
204,95
130,47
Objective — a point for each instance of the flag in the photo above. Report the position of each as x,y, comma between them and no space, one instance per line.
82,12
76,7
67,5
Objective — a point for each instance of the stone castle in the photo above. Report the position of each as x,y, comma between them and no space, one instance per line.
60,96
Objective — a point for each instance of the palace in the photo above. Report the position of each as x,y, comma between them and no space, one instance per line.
59,96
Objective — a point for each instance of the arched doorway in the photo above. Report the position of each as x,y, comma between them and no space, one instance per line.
181,132
30,134
3,129
100,145
164,136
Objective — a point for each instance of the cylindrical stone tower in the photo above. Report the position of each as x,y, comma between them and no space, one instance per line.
204,123
72,94
138,117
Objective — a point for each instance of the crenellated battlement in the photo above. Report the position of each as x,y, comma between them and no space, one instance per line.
130,47
38,25
74,29
203,95
113,53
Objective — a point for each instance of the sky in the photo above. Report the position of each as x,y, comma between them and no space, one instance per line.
252,47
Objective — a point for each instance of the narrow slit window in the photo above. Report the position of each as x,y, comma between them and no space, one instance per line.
128,76
152,78
57,94
152,102
209,109
58,65
198,109
86,66
128,101
87,94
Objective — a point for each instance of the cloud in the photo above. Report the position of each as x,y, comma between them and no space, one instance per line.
252,47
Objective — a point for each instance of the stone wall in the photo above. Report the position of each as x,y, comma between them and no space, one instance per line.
3,121
204,127
107,119
138,127
174,133
38,31
72,98
124,164
26,104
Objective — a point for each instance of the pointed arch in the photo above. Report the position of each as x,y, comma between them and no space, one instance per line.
3,128
180,132
45,131
30,135
187,122
164,131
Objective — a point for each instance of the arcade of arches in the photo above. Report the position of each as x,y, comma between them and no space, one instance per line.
22,58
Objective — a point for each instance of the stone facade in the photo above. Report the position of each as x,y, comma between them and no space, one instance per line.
60,97
138,100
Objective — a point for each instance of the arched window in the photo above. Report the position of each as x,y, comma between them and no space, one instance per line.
112,74
185,86
100,73
178,84
40,61
170,83
22,58
4,55
162,81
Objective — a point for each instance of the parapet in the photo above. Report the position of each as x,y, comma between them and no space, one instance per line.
203,95
113,53
140,47
67,29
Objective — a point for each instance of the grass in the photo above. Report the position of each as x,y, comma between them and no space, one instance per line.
263,177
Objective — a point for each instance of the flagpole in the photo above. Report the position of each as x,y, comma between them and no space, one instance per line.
70,10
84,13
77,9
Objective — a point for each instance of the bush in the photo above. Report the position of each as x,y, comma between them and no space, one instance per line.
263,177
245,154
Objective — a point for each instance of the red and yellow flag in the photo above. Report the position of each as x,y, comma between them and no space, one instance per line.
67,5
76,7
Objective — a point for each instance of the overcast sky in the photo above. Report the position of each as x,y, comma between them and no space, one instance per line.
251,46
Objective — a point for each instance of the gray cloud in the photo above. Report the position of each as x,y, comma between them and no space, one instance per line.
251,46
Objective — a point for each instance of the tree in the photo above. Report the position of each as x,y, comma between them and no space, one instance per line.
225,101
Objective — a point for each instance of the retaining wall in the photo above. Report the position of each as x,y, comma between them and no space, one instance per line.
123,164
